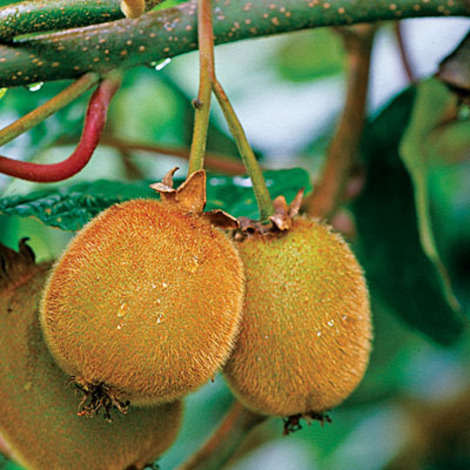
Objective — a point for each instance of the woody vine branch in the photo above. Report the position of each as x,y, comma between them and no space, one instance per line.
167,33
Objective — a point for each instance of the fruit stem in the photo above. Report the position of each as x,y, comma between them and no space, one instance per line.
208,82
41,113
202,104
94,123
253,168
342,152
225,440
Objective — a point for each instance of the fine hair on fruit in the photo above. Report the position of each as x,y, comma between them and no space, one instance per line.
146,299
305,334
39,404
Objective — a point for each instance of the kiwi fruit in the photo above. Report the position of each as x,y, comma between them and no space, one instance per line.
38,404
305,333
145,301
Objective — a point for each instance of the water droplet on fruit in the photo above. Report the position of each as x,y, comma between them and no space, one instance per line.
192,265
123,309
164,285
318,333
331,323
159,318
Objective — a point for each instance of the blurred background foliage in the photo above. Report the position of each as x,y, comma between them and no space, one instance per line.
412,224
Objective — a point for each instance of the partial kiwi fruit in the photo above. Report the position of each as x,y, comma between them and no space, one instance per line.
305,334
145,300
38,403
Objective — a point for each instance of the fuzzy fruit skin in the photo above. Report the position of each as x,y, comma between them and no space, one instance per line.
146,299
38,404
305,334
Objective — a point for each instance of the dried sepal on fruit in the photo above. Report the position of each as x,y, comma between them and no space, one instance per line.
305,334
280,221
191,197
38,404
144,305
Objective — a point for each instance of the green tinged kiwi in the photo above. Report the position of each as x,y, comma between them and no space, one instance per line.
38,403
146,299
305,334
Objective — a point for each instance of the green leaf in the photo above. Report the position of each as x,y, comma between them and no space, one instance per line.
388,245
311,55
450,143
432,101
71,207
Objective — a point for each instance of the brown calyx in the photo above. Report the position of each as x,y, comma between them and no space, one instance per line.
99,397
292,423
191,197
279,222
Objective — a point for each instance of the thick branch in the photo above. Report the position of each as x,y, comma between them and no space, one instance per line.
48,15
225,441
35,16
167,33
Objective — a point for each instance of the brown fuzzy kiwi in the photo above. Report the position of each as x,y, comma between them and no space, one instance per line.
305,334
146,299
38,404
